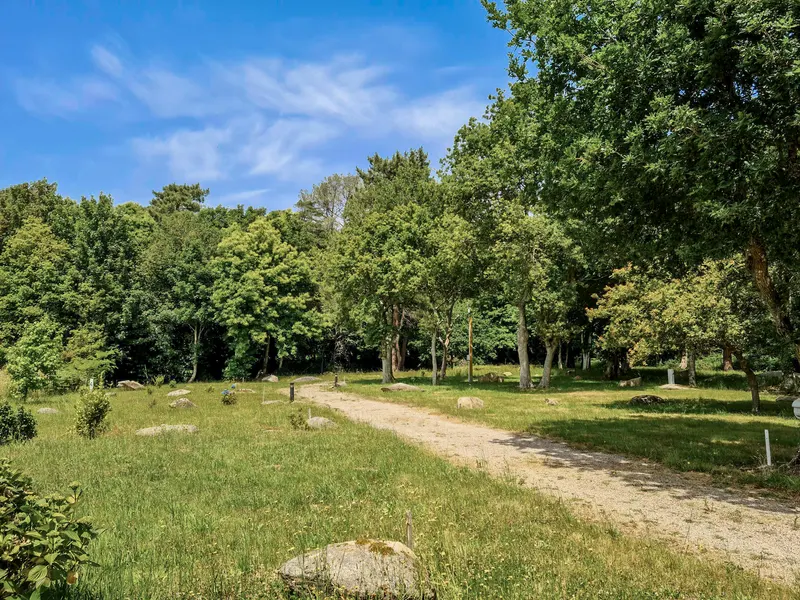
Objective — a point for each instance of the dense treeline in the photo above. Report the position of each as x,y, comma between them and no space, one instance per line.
634,195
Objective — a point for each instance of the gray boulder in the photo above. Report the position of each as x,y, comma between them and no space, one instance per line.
402,387
646,400
551,402
271,379
674,386
358,569
162,429
129,385
469,402
178,393
182,403
320,423
306,379
47,411
787,399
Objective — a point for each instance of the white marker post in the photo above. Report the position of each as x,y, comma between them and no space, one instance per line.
671,376
769,451
91,385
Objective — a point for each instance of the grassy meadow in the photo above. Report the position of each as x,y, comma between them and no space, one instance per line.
212,515
709,429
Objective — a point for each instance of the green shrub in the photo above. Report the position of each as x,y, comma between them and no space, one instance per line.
42,543
16,426
298,421
159,381
35,359
91,413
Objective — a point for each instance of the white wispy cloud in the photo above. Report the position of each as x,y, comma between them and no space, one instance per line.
256,117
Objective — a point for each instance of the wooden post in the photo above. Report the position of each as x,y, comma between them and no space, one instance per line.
291,392
469,379
769,450
409,531
335,381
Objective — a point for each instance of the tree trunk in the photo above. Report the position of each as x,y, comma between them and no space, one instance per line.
752,381
587,361
386,361
396,323
448,333
758,265
551,346
727,360
566,355
522,349
560,357
691,358
401,360
434,369
684,361
196,333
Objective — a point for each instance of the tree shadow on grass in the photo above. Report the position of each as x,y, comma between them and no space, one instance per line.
706,406
729,451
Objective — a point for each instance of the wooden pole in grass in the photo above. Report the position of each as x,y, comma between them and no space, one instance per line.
409,531
469,378
291,392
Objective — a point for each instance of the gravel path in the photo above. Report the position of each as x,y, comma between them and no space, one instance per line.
639,498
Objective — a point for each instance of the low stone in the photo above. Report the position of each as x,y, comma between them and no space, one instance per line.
787,399
646,400
245,391
508,374
178,393
402,387
470,402
127,384
162,429
271,379
551,402
490,378
110,394
305,379
47,411
631,382
674,386
182,403
269,402
320,423
358,569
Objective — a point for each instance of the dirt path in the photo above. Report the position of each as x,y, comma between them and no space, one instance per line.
757,534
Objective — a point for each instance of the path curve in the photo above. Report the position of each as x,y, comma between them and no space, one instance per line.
647,500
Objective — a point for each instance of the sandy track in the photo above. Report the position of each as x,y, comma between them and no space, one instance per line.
640,498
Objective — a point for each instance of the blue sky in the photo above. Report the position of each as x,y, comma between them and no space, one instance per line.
254,99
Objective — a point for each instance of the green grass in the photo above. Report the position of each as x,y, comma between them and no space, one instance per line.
709,429
212,515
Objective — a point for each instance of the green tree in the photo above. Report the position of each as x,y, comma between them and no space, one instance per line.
662,121
177,197
263,292
33,267
376,260
179,274
35,358
39,200
85,356
322,208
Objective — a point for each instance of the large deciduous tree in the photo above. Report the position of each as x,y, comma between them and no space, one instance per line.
674,127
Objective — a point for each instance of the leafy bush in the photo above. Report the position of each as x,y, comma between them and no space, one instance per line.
42,543
86,356
298,421
229,397
159,381
91,413
36,357
16,426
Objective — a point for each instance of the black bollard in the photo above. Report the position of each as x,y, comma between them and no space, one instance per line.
291,392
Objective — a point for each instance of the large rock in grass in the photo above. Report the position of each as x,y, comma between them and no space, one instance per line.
127,384
320,423
636,382
178,393
674,386
787,400
470,403
646,400
162,429
402,387
306,379
182,403
47,411
358,569
271,379
490,378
